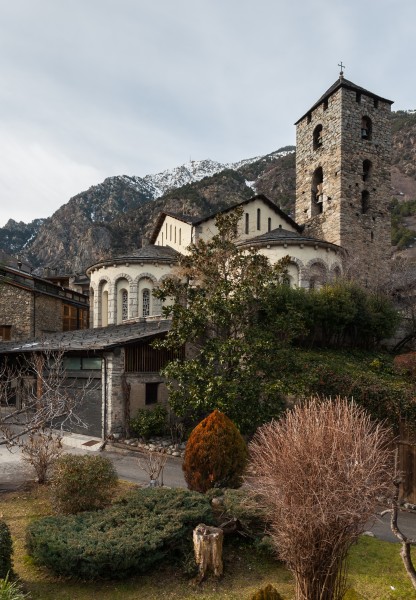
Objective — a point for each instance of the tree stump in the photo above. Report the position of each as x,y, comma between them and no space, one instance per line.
208,550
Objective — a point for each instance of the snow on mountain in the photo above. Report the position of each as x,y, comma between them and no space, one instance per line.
195,170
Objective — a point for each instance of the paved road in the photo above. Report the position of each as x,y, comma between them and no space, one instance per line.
14,473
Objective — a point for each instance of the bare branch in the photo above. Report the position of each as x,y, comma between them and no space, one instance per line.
319,472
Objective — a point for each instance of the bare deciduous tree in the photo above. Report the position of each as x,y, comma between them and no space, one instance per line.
40,450
405,541
319,471
35,394
153,464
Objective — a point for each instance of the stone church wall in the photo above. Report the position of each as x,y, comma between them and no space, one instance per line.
353,206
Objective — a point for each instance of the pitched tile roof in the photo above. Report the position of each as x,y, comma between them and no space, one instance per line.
100,338
149,253
349,85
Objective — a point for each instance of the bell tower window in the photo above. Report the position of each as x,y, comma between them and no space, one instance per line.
317,137
366,129
367,167
317,194
365,201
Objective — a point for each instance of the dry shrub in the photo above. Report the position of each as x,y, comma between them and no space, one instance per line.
406,363
319,471
215,455
40,450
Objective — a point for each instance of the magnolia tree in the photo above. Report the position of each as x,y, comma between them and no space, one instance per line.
219,299
319,471
37,400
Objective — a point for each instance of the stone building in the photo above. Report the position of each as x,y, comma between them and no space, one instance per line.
343,179
343,146
121,288
119,364
31,306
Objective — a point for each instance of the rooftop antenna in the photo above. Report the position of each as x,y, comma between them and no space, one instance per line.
341,73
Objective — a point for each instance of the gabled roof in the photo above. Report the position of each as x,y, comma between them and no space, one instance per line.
349,85
198,220
99,338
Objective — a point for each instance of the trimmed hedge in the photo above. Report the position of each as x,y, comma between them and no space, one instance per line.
128,538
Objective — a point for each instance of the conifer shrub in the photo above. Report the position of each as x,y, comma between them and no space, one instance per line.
267,593
6,550
216,454
130,537
81,483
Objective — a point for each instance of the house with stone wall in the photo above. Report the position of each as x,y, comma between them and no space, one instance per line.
31,306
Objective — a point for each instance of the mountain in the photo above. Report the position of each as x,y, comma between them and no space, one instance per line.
116,216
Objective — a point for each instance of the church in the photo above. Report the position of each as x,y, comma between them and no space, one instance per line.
342,222
343,145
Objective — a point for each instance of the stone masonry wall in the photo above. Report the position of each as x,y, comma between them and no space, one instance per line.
16,309
48,315
365,234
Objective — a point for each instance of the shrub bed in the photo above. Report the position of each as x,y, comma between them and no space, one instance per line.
128,538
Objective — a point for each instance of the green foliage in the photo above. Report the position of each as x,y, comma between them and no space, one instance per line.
81,483
267,593
6,550
215,455
402,236
215,310
10,590
340,314
371,379
246,508
149,422
128,538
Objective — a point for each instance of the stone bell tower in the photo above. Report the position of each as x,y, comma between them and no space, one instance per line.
343,191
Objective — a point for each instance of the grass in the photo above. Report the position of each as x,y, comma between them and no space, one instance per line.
375,568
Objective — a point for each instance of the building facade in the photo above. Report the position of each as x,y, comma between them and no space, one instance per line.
32,307
343,191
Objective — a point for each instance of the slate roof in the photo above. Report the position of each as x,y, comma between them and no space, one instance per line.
150,253
199,220
281,236
349,85
99,338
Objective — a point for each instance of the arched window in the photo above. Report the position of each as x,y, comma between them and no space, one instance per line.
146,302
124,305
365,201
317,193
104,309
269,224
317,137
318,276
247,222
366,128
258,219
367,168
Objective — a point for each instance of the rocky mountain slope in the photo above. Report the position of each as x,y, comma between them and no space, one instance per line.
116,216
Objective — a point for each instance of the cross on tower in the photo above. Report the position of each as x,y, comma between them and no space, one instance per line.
342,67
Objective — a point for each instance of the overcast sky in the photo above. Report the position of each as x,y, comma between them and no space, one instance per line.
95,88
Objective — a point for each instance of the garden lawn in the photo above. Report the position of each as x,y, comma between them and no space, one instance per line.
375,568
